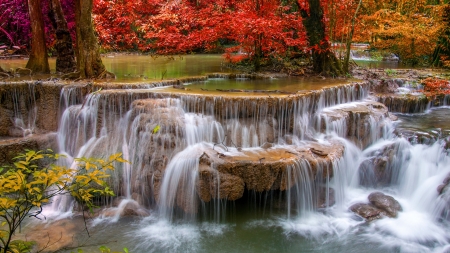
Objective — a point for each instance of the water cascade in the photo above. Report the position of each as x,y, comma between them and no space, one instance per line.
304,160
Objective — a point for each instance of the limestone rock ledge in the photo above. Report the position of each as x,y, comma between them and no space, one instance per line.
12,146
226,175
361,122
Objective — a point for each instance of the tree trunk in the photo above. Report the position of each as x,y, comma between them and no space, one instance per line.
258,40
442,50
89,63
349,40
65,60
324,60
258,53
38,62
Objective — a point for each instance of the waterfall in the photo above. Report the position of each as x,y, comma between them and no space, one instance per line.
186,153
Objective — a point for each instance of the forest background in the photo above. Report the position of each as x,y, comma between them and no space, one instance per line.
275,33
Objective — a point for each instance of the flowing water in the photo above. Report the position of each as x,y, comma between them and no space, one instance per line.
159,207
267,221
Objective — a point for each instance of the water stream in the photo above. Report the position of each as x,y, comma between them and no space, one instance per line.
186,191
260,221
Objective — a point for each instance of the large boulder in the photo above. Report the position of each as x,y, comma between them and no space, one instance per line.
380,166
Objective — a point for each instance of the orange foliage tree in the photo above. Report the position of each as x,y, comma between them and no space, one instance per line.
408,29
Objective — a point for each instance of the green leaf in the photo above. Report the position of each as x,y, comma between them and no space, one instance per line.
125,250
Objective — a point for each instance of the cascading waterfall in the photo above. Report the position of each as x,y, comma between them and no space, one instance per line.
165,139
25,109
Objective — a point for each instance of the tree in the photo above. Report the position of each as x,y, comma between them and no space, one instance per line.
65,60
38,61
28,185
345,66
324,60
441,54
15,26
257,31
118,23
409,29
89,62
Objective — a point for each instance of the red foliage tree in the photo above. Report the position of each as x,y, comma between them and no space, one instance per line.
15,25
433,87
118,23
258,29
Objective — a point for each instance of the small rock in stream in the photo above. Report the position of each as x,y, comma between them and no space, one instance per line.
385,203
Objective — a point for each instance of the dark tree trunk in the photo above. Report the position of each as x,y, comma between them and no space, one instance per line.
38,62
442,50
324,60
258,41
65,60
89,63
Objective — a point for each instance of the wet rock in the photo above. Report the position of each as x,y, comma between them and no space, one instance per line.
380,168
267,145
386,203
403,103
386,86
325,202
214,185
442,188
11,147
227,176
361,122
132,208
374,172
367,211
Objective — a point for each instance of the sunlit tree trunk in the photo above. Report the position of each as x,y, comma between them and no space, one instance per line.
65,60
345,67
89,63
38,61
324,60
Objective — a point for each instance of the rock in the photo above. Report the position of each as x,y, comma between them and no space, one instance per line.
323,203
444,186
379,168
402,103
373,172
267,145
367,211
386,86
318,152
356,121
385,203
23,71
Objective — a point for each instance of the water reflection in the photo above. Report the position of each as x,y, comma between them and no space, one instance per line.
138,68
